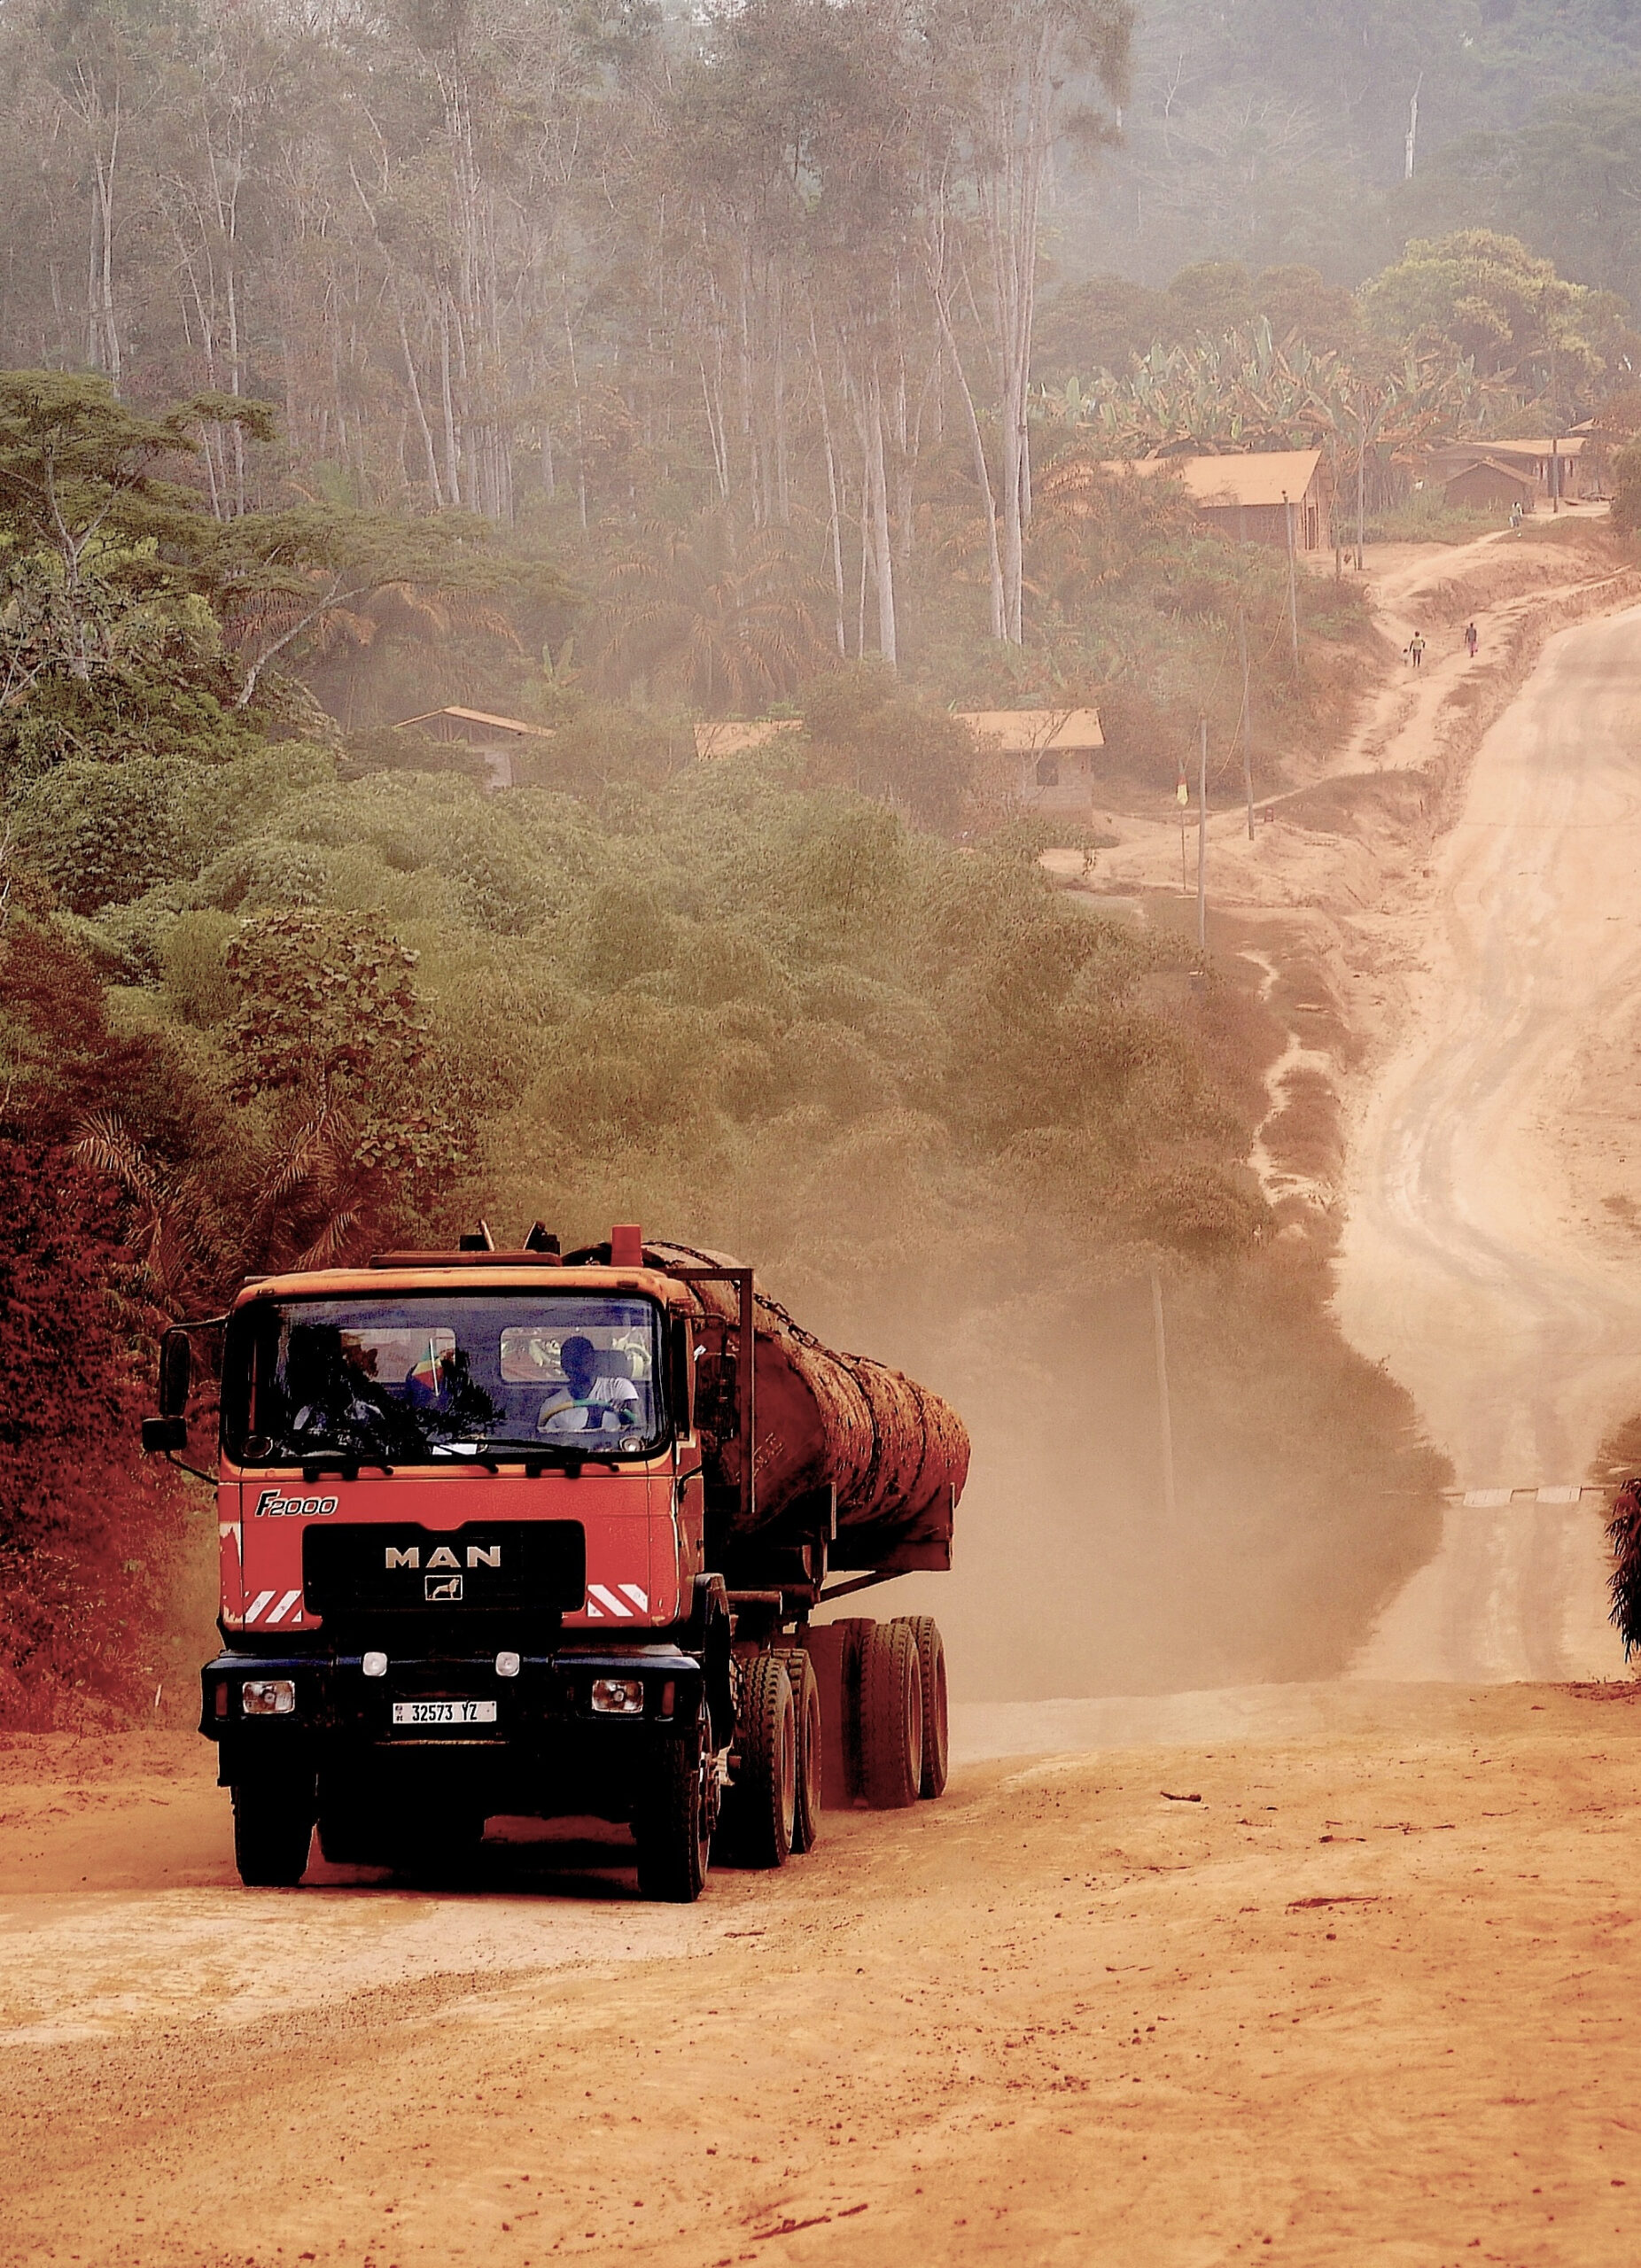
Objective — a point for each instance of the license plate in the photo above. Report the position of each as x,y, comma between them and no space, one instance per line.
444,1712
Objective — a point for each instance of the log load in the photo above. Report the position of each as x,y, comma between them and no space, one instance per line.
897,1454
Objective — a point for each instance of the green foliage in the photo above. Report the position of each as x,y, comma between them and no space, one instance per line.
866,734
324,1003
382,749
104,833
1490,298
1627,489
1565,182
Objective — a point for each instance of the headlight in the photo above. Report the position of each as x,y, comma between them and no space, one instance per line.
268,1697
618,1697
374,1664
506,1665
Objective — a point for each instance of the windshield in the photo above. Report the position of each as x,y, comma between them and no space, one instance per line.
422,1378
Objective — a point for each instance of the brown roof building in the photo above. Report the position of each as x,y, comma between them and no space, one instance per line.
1485,485
1051,751
495,738
1251,495
1554,464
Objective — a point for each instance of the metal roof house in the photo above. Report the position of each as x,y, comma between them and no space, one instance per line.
1249,496
1553,463
1486,482
1051,752
495,738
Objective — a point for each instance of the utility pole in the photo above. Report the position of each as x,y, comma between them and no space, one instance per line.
1183,797
1163,1410
1202,836
1247,754
1413,126
1361,484
1292,581
1555,472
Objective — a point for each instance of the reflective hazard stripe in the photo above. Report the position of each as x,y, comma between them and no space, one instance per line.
607,1599
285,1606
257,1605
641,1599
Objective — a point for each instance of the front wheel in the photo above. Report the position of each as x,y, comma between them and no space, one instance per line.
674,1825
273,1827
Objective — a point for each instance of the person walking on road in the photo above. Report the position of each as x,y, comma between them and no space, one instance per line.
1416,647
1471,640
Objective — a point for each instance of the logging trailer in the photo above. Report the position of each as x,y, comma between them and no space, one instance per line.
526,1533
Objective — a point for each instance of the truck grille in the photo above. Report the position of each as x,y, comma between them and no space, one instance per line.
487,1567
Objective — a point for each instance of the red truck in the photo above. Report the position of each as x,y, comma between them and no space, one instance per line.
524,1532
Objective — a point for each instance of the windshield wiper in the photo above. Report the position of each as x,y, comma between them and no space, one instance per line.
481,1452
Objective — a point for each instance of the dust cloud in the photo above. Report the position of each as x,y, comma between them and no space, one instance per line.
1304,1496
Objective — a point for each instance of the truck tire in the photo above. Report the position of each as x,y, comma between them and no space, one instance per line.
835,1649
765,1789
931,1669
273,1828
891,1718
674,1825
811,1765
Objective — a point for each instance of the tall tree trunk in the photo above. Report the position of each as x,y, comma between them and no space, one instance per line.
884,558
835,527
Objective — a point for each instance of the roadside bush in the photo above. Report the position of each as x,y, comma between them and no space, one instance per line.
87,1535
1626,509
104,833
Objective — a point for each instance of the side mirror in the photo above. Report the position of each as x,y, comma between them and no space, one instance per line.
681,1384
176,1372
161,1435
717,1385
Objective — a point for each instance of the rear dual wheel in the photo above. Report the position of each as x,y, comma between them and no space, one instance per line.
761,1806
877,1746
934,1761
891,1718
806,1711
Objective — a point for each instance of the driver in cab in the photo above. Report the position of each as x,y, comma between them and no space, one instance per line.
590,1401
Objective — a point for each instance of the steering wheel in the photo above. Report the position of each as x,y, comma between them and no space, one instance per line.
593,1416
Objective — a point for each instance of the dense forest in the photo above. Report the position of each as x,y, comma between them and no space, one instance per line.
620,371
1275,132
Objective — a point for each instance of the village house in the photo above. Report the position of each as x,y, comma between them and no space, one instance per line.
1484,483
1050,751
1047,754
494,738
1252,497
1552,466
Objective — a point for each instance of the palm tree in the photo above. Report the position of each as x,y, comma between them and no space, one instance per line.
724,622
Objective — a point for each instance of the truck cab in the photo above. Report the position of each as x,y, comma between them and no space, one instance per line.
472,1545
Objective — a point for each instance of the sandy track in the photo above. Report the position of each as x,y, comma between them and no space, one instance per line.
1365,2001
1466,1264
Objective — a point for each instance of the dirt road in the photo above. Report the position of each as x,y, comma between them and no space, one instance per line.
1366,1999
1473,1261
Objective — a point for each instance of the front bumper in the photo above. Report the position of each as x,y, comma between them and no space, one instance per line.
545,1711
